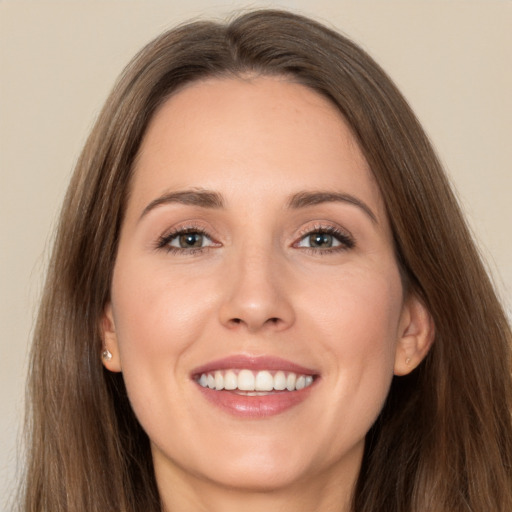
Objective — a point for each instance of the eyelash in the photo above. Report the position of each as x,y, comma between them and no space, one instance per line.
165,240
345,239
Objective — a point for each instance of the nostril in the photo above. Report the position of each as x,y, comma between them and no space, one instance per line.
274,321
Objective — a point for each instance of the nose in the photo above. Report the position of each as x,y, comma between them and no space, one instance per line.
257,294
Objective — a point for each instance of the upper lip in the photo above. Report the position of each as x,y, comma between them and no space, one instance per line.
255,363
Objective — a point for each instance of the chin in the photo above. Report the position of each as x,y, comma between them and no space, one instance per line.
262,467
266,477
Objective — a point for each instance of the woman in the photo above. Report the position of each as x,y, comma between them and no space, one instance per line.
263,295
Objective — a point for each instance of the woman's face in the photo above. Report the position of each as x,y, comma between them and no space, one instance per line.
255,255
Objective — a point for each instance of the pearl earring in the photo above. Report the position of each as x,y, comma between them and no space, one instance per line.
106,355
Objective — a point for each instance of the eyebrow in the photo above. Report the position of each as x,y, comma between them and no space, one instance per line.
305,199
201,198
213,200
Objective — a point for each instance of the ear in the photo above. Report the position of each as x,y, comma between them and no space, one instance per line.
110,350
416,335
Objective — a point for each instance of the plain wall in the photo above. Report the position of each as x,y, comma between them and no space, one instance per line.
58,61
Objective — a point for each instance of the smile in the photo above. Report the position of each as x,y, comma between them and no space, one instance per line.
255,387
258,381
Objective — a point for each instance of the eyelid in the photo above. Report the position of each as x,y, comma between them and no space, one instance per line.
177,237
347,241
163,241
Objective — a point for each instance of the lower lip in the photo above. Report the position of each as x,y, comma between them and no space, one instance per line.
261,406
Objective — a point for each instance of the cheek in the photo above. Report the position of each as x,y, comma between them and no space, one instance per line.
155,311
157,318
359,309
358,322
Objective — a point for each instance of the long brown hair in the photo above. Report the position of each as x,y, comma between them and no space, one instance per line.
443,441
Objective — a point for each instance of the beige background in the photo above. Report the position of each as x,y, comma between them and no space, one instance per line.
58,60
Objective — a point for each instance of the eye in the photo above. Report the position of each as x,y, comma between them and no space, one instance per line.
319,240
326,238
186,240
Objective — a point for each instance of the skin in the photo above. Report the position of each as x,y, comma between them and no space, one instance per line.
256,287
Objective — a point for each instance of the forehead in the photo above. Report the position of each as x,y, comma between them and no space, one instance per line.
254,135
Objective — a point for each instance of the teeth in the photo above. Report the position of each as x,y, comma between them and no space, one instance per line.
257,382
230,380
264,381
280,381
246,381
203,380
290,381
219,380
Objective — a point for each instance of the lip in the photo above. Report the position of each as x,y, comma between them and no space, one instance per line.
255,363
253,407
